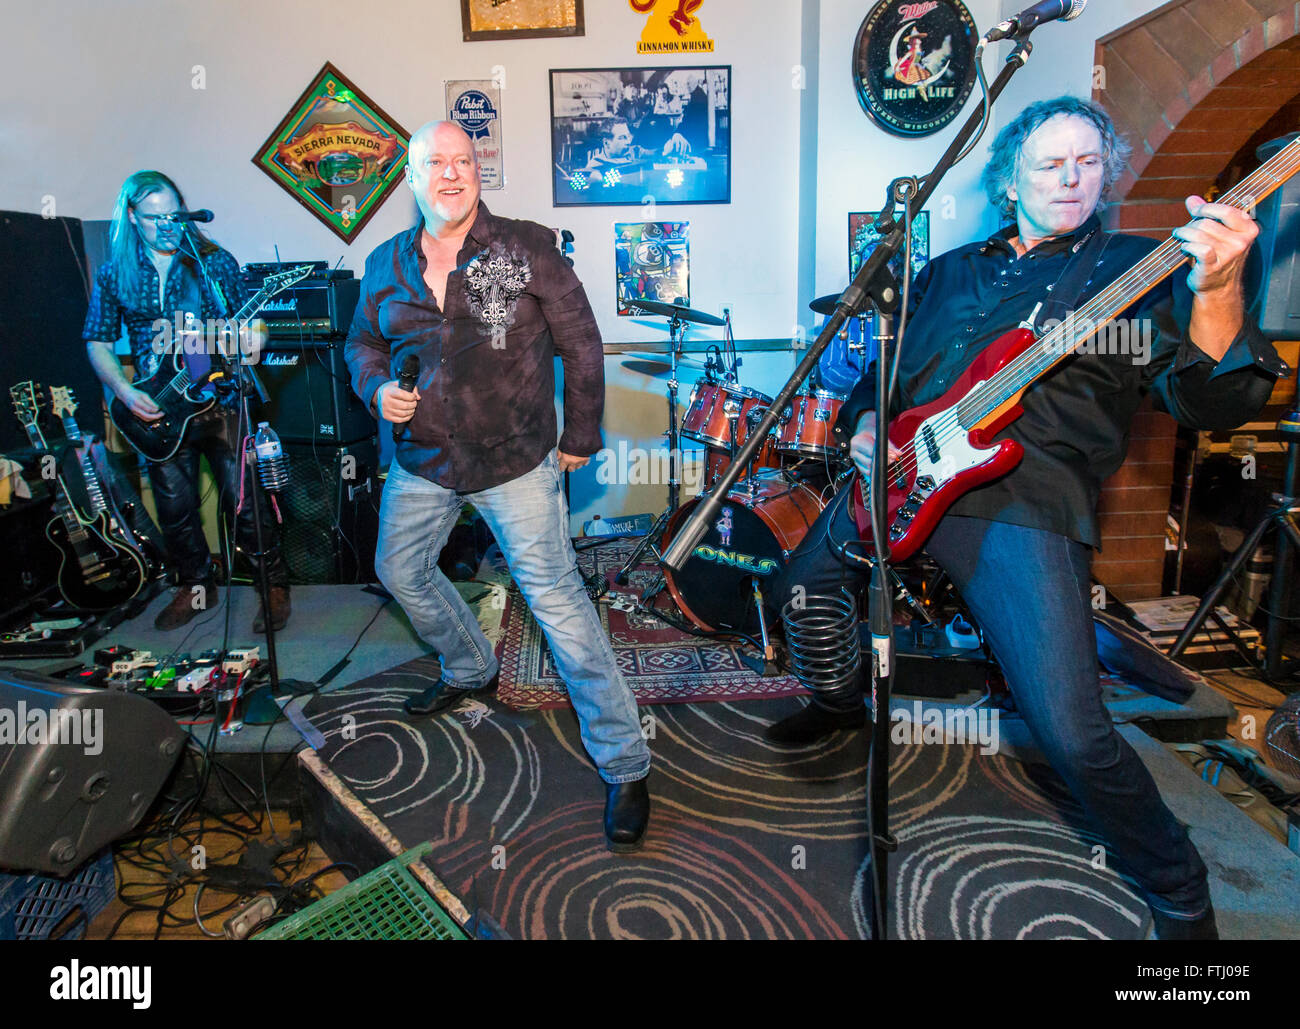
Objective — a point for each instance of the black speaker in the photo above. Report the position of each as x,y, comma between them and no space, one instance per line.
78,768
42,311
1273,269
311,398
331,512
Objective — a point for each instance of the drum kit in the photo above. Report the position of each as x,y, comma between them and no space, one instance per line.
793,475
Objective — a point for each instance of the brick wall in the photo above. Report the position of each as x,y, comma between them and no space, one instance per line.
1189,85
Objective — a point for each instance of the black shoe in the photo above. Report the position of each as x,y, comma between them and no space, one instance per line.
627,812
443,696
1168,927
813,723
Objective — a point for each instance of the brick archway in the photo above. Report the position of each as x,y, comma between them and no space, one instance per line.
1194,86
1191,85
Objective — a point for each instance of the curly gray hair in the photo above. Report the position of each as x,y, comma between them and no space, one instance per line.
1004,160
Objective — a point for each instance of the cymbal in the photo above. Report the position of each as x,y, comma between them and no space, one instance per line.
687,314
661,369
825,305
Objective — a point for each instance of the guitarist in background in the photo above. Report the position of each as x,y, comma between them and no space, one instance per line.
1019,549
146,280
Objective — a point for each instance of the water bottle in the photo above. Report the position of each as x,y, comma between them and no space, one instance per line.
272,465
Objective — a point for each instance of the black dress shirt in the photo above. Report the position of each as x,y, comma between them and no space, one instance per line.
487,370
1076,419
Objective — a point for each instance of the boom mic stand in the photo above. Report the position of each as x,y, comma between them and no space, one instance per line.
873,283
261,707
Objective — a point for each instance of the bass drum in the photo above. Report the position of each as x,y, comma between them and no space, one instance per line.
750,539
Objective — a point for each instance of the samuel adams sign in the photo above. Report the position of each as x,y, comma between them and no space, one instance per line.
914,64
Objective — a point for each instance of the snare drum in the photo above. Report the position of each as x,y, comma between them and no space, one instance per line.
753,535
807,431
706,419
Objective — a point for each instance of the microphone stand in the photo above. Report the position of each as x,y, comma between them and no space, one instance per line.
873,284
260,707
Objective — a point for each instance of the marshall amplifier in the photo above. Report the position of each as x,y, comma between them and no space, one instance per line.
318,308
310,397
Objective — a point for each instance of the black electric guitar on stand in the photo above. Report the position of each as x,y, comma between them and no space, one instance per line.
95,475
180,390
99,570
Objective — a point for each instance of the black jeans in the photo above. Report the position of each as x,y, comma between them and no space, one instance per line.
176,494
1029,591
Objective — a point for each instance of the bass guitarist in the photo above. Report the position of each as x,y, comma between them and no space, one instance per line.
150,283
1019,549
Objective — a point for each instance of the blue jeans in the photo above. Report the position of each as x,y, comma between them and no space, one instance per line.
530,520
1029,591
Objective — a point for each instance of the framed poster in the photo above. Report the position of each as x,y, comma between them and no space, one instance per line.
631,135
476,108
519,19
336,152
863,238
652,261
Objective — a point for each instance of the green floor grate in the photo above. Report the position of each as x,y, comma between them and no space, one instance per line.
387,904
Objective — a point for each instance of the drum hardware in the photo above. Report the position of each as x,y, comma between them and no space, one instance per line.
678,317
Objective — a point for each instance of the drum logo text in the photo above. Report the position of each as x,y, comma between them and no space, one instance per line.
745,562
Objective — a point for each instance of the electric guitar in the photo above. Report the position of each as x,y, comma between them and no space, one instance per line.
178,392
97,571
103,500
947,446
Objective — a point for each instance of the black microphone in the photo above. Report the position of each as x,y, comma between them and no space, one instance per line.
1031,17
406,382
203,215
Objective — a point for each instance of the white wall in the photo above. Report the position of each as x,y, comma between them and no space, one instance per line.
98,90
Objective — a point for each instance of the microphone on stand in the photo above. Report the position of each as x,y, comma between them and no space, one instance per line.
406,382
1031,17
202,215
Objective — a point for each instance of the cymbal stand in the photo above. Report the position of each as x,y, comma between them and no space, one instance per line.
676,330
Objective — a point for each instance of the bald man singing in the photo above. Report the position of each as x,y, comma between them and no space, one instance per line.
486,304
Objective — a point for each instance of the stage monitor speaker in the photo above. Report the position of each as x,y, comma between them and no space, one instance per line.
1273,269
310,394
42,311
331,512
78,769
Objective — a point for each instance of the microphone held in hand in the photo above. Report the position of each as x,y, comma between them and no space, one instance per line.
406,383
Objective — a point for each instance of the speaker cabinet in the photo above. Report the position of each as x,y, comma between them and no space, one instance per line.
78,768
1273,269
310,394
331,512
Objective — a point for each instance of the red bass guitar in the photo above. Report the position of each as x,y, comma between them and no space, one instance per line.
947,446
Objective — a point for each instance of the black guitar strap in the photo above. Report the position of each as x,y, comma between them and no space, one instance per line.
1063,295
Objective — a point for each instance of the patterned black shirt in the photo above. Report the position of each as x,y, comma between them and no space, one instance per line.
142,312
1076,419
487,368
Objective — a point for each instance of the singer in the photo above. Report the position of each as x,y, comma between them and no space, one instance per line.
486,303
147,282
1019,549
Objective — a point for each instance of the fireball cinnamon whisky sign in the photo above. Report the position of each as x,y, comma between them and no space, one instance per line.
336,152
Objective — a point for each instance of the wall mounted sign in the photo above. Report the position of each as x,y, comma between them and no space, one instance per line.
336,153
520,19
671,27
632,135
914,64
476,108
652,261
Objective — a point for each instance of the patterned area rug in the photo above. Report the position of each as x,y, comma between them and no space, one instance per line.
747,839
662,665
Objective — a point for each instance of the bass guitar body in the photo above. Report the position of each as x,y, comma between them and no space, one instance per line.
943,458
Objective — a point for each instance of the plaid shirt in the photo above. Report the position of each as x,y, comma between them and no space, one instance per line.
142,311
487,368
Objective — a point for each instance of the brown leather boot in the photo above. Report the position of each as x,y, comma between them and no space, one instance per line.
280,609
186,603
